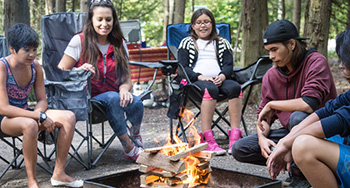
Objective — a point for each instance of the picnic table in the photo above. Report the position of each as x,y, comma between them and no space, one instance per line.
153,54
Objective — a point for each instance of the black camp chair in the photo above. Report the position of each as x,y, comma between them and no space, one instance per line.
57,30
248,77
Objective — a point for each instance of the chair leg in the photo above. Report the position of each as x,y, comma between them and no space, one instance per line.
108,143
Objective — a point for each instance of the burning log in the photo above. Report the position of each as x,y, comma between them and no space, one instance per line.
164,185
155,150
188,152
169,171
204,154
147,179
161,161
203,165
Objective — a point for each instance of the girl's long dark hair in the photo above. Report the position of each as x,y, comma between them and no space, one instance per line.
91,52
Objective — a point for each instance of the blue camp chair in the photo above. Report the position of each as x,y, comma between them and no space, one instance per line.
248,77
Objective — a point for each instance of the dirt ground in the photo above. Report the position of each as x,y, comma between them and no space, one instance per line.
155,126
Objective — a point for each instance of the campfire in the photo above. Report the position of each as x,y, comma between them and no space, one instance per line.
179,165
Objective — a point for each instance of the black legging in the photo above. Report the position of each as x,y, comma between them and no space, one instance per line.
229,88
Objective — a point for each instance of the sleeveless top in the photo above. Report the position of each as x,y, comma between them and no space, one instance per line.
18,96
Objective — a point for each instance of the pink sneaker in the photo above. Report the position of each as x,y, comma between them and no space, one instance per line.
208,136
133,154
234,135
137,139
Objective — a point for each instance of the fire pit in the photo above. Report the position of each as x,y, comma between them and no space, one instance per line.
222,179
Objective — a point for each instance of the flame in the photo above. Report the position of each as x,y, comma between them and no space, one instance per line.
196,176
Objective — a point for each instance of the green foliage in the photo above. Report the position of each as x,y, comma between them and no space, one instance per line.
338,17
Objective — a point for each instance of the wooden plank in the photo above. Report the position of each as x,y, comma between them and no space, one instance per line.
161,173
181,176
147,179
156,149
145,169
172,181
204,154
164,185
195,149
161,161
203,165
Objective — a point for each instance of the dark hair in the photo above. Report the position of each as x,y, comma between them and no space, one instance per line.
213,35
115,37
22,36
298,53
343,47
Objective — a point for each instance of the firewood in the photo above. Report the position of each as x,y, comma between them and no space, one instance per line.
156,149
203,165
172,181
147,179
145,169
158,172
161,161
204,154
210,182
164,185
195,149
181,176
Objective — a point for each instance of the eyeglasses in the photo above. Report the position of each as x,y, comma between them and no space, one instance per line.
198,24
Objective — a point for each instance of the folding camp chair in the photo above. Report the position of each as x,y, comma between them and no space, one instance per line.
15,143
253,75
57,30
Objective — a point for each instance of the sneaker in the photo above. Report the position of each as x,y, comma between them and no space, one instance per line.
133,154
299,182
297,178
234,135
212,145
137,139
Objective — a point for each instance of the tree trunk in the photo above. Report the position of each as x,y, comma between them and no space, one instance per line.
49,6
171,11
252,44
16,11
179,11
296,13
32,11
60,5
283,6
84,5
264,15
73,5
317,23
165,19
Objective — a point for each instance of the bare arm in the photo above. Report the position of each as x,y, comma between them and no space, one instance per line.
264,142
281,155
67,63
291,105
39,88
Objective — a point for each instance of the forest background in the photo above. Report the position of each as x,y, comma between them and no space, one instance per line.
320,20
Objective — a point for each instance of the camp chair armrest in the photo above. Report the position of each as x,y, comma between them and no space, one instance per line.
154,65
